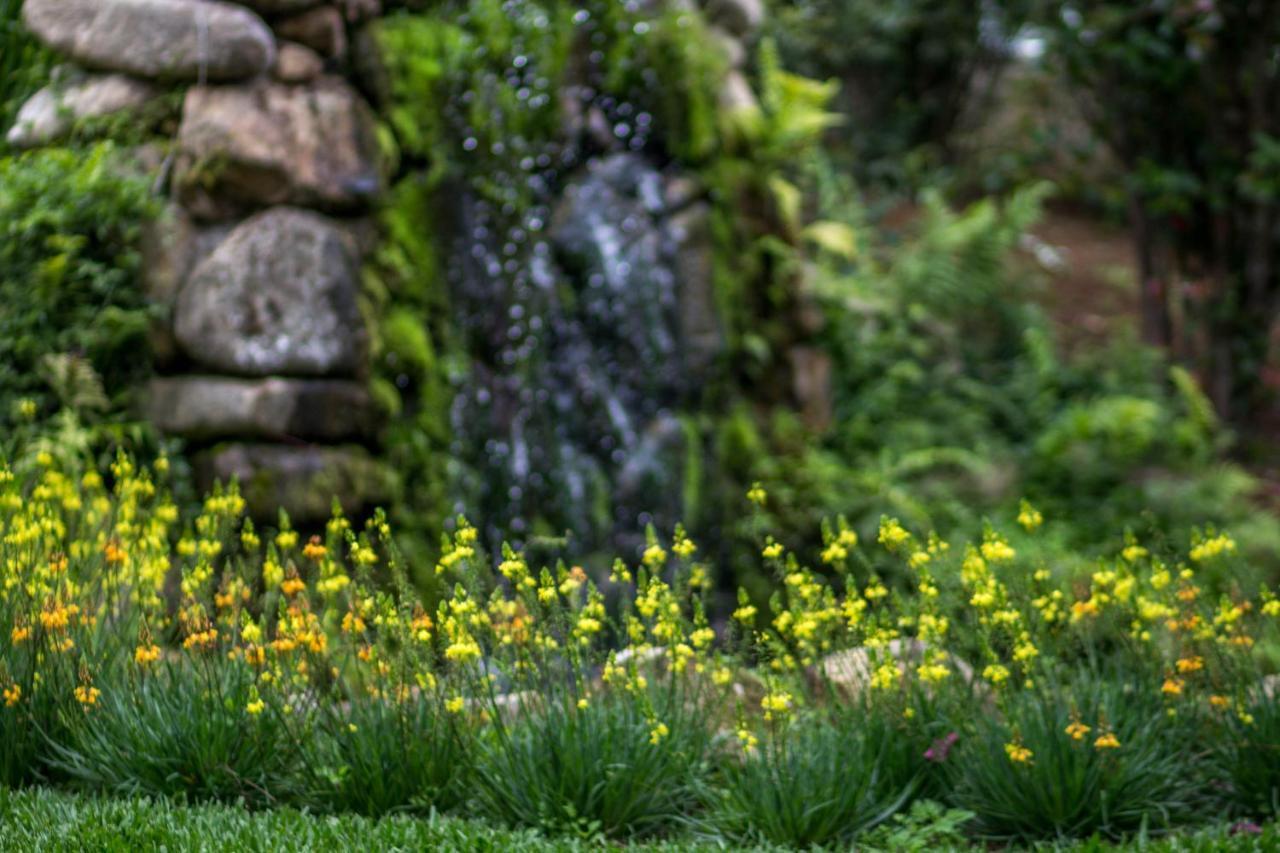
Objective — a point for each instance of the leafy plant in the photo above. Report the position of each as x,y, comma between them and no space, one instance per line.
1095,756
822,780
1248,752
70,226
604,769
376,757
179,733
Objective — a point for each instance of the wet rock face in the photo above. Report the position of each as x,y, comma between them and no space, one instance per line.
209,407
247,147
160,39
570,410
278,296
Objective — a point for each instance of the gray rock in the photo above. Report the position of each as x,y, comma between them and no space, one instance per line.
163,39
53,112
205,407
245,147
847,674
740,17
321,29
297,63
278,296
303,480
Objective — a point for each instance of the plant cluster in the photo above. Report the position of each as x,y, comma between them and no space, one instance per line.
214,660
74,333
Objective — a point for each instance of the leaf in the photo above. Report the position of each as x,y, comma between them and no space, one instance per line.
835,237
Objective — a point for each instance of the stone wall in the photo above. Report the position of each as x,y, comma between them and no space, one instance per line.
270,174
270,169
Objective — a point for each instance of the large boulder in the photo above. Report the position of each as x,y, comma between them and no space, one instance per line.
163,39
205,407
54,111
278,296
244,147
847,674
303,480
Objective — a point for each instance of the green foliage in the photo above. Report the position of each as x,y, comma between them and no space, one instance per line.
1248,754
376,757
24,64
907,70
925,827
1176,92
1066,787
596,771
951,399
823,782
70,225
179,733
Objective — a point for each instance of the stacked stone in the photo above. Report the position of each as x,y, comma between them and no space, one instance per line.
259,255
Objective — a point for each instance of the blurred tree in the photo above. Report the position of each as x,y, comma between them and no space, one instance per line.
1187,94
909,70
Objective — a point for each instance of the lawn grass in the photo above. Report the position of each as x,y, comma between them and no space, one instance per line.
45,820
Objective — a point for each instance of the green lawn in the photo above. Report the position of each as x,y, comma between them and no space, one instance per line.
44,820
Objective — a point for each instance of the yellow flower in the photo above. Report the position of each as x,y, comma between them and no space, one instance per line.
1207,549
1272,608
1077,730
834,553
455,704
1219,702
775,704
892,534
146,654
756,494
1172,686
996,550
1190,664
87,695
658,732
885,676
1017,753
18,634
1107,740
746,613
653,556
1029,517
996,674
748,739
314,549
255,706
12,695
772,551
582,704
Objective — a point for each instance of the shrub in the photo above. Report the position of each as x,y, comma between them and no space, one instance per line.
613,767
374,757
180,733
1094,757
823,780
70,227
1248,754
